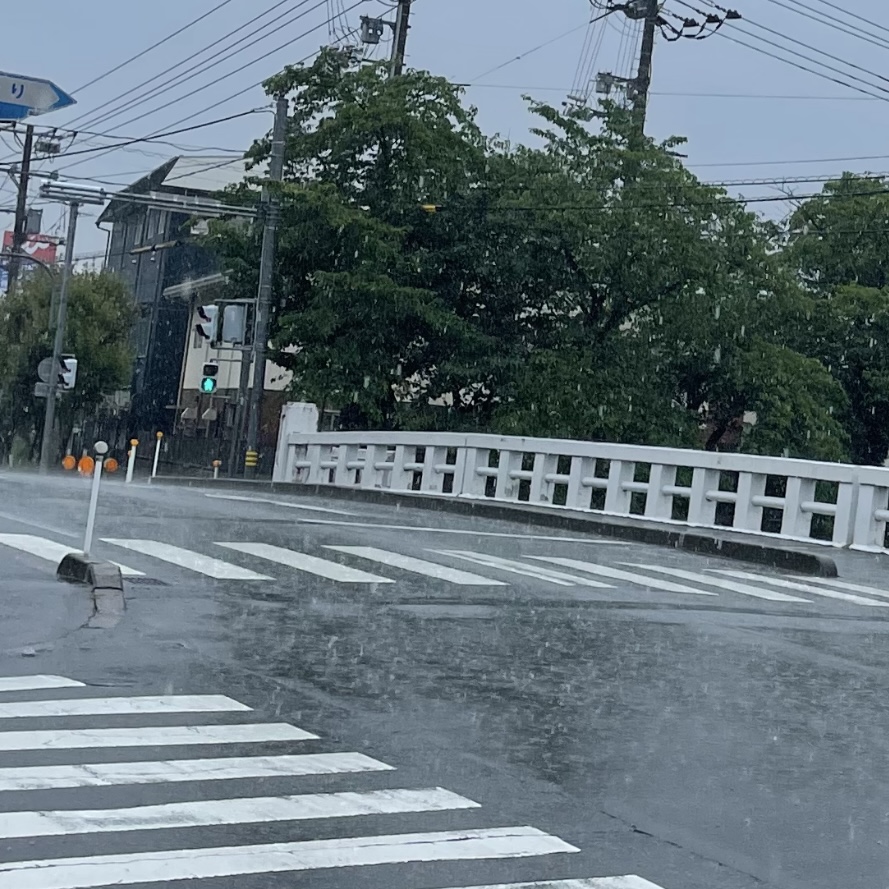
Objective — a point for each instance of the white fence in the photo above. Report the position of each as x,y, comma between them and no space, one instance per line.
833,503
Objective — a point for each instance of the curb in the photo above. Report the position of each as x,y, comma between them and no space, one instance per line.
106,586
698,541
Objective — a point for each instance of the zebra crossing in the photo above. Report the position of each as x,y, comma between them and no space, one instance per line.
169,801
351,565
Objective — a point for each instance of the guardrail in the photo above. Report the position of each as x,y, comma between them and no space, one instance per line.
832,503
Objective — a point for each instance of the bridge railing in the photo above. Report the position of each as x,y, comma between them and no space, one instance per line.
834,503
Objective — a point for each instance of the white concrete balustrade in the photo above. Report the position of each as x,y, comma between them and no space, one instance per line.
839,504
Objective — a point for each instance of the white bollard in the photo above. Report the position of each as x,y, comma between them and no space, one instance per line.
131,463
216,465
101,449
157,454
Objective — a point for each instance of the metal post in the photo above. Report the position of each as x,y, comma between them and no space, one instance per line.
157,454
399,44
216,465
272,203
131,462
238,426
101,450
58,345
19,233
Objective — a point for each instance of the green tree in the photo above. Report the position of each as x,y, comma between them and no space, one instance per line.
100,318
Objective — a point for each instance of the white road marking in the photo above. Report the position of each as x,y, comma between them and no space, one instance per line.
654,583
227,861
807,588
251,810
514,567
741,588
35,683
471,532
852,587
417,566
47,549
108,774
107,706
152,736
283,503
303,562
628,882
185,558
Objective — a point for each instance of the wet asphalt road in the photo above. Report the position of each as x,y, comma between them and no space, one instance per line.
700,739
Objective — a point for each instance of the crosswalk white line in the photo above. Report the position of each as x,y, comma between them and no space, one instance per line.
847,585
302,562
109,774
239,810
417,566
47,549
655,583
741,588
513,567
806,588
186,558
36,683
227,861
152,736
113,706
627,882
305,506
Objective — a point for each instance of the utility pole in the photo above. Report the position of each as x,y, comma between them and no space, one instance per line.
399,43
19,233
271,201
58,341
646,53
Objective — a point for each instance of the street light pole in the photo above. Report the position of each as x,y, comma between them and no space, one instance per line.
272,203
58,341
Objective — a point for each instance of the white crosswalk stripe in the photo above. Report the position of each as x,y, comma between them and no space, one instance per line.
43,868
36,683
302,562
186,558
757,592
230,768
418,566
627,882
560,578
105,706
655,583
50,551
169,736
851,587
249,810
225,861
806,588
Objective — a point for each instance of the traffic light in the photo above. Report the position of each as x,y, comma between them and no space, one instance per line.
208,322
67,372
208,381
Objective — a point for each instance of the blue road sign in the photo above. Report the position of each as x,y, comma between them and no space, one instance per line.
22,97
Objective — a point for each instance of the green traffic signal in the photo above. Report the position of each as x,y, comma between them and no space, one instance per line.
208,385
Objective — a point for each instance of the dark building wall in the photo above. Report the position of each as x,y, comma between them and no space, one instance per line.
159,336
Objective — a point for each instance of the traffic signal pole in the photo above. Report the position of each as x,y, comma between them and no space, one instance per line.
49,420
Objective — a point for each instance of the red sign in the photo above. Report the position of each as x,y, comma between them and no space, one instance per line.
41,247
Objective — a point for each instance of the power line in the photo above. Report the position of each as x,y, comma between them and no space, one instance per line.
90,115
839,26
854,15
153,46
800,55
235,95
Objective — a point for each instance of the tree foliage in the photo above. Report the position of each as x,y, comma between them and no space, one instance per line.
100,318
588,287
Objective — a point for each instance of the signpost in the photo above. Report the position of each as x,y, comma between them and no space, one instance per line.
22,97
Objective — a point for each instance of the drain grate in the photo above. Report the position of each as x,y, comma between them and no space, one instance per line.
145,581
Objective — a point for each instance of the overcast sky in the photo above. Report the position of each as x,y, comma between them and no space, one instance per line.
746,115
